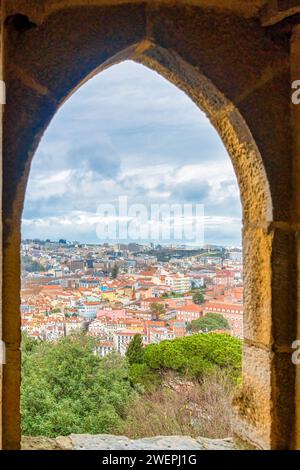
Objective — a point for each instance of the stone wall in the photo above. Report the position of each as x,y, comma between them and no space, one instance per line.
110,442
237,69
1,128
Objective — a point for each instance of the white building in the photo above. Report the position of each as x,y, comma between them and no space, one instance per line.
122,338
178,283
73,324
88,310
104,347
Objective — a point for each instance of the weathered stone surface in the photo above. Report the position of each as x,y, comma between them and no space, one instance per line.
239,74
111,442
46,443
217,444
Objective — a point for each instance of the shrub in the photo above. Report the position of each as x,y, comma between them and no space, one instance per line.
67,389
193,409
210,322
196,354
142,375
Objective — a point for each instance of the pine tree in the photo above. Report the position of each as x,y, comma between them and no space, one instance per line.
115,272
135,350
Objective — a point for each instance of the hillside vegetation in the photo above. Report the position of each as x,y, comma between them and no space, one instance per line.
182,386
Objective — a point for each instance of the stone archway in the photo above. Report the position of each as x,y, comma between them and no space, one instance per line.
239,75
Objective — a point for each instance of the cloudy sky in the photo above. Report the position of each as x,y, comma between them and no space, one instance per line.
129,133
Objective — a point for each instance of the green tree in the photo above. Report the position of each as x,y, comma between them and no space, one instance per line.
66,388
30,265
115,271
165,295
157,309
135,350
210,322
196,355
198,297
142,375
28,344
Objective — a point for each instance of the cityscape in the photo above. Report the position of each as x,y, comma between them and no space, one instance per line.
114,291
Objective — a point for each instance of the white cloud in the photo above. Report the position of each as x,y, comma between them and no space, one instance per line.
128,132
